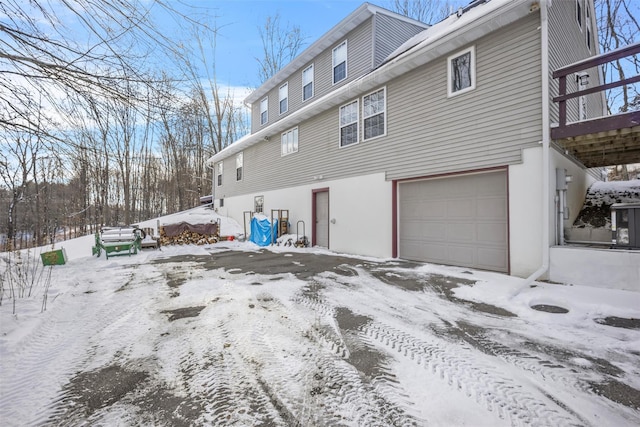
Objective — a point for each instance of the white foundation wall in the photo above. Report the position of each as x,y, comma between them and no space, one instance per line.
362,209
360,206
525,213
577,188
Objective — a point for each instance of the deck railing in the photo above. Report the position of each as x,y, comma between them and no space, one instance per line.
603,124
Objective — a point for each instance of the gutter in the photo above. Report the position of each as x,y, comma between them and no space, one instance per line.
546,142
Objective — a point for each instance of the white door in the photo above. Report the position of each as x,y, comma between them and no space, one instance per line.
460,220
321,218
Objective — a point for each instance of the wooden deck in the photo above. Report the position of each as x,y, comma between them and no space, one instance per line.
603,141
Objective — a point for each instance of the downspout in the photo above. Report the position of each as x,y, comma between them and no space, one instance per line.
546,142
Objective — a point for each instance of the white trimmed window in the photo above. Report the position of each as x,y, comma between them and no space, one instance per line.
340,62
349,124
461,72
219,174
307,83
264,113
289,141
239,164
579,13
283,97
373,114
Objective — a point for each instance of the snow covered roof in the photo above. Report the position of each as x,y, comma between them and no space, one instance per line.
451,34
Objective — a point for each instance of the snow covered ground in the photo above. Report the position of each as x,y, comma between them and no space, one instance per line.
234,334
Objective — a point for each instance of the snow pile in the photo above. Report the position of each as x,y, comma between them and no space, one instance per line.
596,211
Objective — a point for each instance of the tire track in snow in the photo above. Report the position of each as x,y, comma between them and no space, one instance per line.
368,401
57,353
463,370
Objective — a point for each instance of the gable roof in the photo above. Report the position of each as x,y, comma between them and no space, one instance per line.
447,36
333,36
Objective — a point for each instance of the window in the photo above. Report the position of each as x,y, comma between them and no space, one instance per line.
283,96
221,203
340,62
588,26
579,13
264,114
239,161
307,83
219,174
373,113
289,141
258,204
461,72
349,124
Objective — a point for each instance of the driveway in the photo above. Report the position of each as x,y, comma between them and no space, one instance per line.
261,338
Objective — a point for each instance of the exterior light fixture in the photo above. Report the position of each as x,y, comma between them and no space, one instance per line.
582,79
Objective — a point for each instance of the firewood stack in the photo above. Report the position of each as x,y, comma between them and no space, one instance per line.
189,234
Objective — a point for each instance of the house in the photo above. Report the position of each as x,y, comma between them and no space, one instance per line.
389,138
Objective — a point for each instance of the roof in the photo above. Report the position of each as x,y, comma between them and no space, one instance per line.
451,34
333,36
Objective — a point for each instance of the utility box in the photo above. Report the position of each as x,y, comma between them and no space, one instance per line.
625,225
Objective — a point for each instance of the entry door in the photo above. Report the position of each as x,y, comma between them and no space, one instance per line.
321,218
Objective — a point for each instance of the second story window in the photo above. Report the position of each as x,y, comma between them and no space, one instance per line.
340,62
349,124
283,97
239,162
461,72
373,114
587,22
289,141
219,174
307,83
264,114
579,13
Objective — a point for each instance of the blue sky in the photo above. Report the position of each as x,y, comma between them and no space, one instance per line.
238,40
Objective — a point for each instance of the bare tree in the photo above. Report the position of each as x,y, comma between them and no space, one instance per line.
427,11
618,26
280,45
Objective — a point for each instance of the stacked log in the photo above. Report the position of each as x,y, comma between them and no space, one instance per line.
189,234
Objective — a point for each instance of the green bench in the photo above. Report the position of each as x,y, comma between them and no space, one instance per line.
117,241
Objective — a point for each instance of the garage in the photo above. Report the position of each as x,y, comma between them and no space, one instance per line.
456,220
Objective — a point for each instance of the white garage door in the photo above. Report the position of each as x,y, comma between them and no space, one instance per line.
461,220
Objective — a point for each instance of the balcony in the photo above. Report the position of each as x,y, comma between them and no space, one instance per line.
602,141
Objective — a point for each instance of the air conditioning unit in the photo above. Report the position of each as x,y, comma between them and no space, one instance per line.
625,225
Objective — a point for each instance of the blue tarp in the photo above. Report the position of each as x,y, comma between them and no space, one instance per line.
261,231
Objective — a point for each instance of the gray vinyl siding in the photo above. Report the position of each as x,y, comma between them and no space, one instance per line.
567,44
389,34
427,133
359,62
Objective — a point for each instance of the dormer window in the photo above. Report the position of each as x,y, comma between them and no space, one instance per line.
307,83
340,62
283,97
264,114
